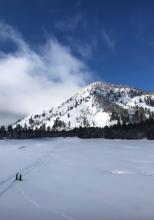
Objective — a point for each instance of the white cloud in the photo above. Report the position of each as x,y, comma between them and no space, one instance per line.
108,40
31,81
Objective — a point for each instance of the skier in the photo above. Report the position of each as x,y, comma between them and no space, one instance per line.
20,177
17,176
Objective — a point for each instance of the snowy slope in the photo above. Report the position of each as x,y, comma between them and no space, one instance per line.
74,179
99,104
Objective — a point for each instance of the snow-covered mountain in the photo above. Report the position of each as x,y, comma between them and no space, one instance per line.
98,105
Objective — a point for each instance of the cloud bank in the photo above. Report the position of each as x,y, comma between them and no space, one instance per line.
31,81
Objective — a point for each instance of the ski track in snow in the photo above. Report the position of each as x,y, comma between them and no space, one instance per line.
7,179
42,160
7,188
39,162
27,197
34,203
24,172
27,170
57,149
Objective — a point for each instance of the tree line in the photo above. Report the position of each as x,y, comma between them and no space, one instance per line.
144,129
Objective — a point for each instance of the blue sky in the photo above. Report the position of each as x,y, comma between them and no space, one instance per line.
115,38
50,47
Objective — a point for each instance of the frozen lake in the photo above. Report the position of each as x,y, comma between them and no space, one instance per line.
74,179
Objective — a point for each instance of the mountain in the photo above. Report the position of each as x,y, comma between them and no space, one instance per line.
100,104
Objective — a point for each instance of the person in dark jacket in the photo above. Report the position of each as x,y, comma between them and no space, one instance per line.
17,176
20,177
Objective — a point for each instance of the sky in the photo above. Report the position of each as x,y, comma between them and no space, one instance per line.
50,49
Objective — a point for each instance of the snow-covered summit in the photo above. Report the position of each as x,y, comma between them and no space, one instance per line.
99,104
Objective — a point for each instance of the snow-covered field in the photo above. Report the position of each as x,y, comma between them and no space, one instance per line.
73,179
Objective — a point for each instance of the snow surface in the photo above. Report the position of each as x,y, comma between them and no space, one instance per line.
74,179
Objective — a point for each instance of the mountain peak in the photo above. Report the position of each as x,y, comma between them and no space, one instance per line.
97,105
108,86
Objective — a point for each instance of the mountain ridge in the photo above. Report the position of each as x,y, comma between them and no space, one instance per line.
99,104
